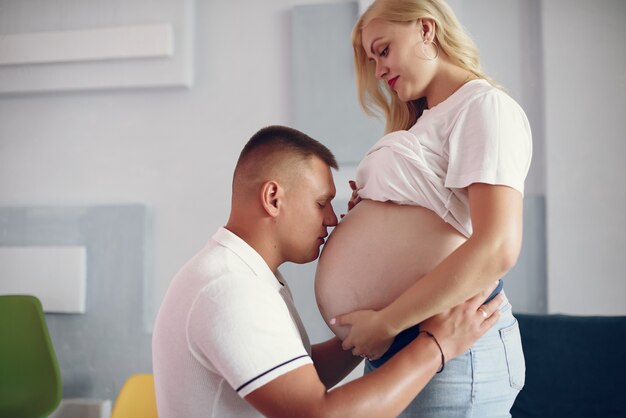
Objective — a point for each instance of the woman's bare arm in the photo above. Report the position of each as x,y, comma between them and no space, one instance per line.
492,250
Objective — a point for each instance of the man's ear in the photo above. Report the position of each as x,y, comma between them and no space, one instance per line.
271,196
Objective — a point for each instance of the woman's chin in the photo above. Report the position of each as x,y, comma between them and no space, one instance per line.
403,97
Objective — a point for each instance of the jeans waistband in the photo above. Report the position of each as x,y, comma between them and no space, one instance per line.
405,337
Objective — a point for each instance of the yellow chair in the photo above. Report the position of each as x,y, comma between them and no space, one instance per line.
136,398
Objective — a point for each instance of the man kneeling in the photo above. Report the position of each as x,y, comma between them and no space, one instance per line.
228,341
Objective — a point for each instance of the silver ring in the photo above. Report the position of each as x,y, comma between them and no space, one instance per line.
483,312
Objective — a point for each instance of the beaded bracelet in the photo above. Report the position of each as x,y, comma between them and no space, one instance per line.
443,359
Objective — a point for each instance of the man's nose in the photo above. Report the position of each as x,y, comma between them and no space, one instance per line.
331,217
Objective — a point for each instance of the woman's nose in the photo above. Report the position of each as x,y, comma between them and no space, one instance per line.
381,70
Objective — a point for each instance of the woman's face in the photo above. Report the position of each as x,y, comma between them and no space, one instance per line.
399,52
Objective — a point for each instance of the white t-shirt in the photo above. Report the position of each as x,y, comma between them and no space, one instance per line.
226,327
478,135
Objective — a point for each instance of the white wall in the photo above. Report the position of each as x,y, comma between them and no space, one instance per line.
174,149
585,79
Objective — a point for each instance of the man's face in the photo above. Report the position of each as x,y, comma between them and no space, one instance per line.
307,212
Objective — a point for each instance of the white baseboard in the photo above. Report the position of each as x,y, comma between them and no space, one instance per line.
83,408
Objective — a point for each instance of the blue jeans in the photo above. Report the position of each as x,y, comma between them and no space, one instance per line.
482,382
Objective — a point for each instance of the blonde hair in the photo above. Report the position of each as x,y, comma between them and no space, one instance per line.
374,95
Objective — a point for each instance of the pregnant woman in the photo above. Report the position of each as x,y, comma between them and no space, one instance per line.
436,214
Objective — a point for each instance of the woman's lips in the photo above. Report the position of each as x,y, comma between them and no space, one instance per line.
392,82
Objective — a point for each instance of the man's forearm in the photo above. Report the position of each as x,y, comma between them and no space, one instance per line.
390,388
382,393
332,362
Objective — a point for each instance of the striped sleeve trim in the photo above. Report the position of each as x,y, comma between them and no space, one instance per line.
269,371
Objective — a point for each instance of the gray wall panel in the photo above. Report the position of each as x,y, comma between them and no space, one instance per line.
324,91
97,350
525,284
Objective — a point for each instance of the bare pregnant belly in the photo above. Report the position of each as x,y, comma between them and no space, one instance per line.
375,253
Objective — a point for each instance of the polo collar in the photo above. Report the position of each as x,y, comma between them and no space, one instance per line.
248,255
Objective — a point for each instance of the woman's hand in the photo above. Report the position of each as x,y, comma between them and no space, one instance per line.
369,335
458,328
354,199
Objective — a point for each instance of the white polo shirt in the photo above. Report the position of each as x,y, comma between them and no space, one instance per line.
226,327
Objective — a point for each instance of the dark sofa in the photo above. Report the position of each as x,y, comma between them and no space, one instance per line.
575,367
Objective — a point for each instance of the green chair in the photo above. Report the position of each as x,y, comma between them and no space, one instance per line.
30,381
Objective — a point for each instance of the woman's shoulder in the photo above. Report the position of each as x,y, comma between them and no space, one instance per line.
468,95
480,93
487,108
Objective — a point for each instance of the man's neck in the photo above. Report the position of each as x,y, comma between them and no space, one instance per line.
260,240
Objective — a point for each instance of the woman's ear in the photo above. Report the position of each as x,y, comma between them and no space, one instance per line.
271,195
427,27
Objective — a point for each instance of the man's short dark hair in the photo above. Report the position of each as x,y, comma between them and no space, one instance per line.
288,140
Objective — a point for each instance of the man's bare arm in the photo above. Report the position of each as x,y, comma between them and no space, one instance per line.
390,388
332,362
385,392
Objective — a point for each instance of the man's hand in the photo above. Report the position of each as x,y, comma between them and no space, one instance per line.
458,328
